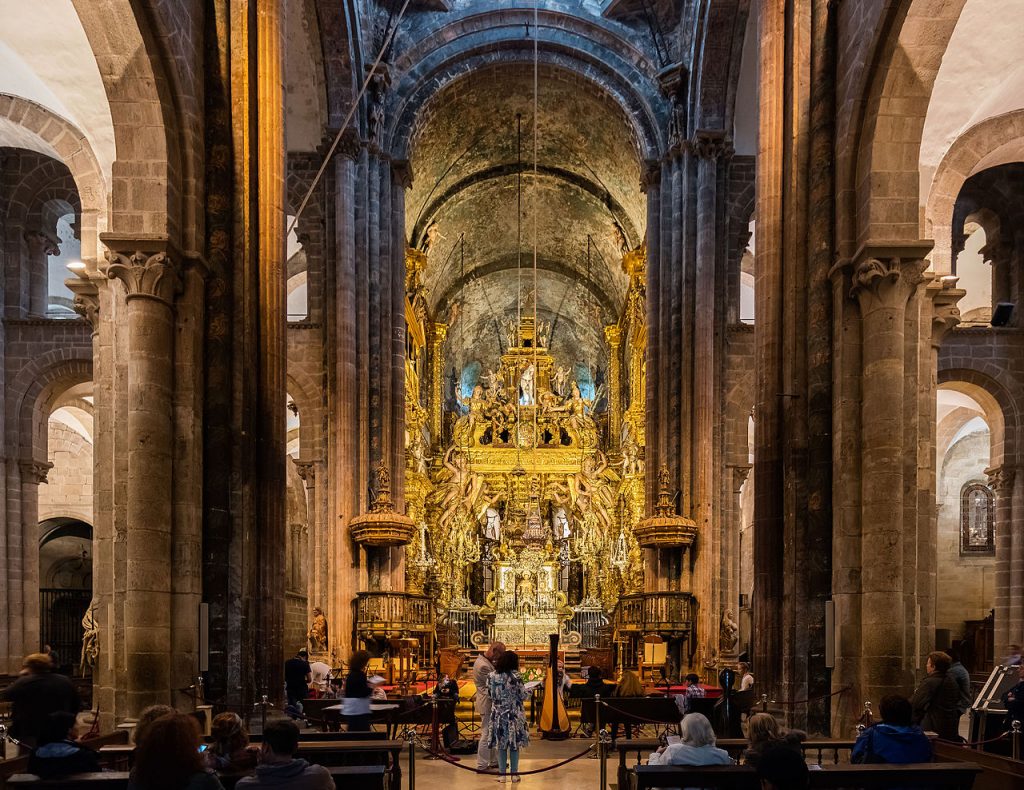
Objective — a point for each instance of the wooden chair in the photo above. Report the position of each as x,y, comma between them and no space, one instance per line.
653,655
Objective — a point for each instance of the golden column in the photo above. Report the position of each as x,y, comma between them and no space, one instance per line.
437,383
613,336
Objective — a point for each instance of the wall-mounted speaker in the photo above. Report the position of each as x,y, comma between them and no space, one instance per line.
1002,314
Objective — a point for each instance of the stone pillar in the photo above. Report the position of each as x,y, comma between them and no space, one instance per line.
1008,626
150,281
709,147
437,385
654,413
33,473
37,270
883,286
613,336
316,580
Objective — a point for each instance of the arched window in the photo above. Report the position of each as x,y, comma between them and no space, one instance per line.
977,519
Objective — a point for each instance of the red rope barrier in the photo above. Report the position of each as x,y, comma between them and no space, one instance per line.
843,690
973,744
448,759
635,717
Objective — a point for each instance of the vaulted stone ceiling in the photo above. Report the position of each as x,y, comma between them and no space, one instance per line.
586,197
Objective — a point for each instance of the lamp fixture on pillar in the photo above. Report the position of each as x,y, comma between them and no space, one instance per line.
382,526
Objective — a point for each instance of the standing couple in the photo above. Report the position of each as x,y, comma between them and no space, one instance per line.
500,694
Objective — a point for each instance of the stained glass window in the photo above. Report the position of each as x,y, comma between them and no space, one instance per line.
977,519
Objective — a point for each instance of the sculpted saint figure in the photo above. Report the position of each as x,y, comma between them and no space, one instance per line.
317,634
728,632
560,379
90,639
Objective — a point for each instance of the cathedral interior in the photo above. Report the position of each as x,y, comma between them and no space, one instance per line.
416,325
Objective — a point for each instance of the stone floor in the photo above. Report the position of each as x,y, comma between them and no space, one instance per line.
582,774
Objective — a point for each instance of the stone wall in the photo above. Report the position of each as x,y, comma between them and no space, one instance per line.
68,488
965,583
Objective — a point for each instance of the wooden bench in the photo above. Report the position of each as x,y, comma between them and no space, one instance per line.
997,772
927,776
321,751
814,748
349,777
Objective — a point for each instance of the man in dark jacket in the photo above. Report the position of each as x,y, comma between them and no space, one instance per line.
936,699
57,755
35,695
895,739
278,766
297,674
1014,701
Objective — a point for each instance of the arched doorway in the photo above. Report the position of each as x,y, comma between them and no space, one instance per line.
65,587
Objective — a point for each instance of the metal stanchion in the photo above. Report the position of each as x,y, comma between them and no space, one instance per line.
1015,739
410,737
764,703
200,690
603,769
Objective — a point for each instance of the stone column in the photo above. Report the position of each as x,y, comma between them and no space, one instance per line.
654,413
883,285
613,336
1002,480
37,270
437,385
33,473
316,580
709,147
150,281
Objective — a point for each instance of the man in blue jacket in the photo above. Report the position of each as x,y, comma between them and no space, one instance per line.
896,739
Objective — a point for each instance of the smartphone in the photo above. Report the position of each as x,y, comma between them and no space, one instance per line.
202,748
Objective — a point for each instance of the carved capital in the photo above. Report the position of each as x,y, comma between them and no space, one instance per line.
350,145
945,312
740,472
87,300
886,282
35,471
651,176
149,275
307,471
711,145
1000,479
41,244
402,173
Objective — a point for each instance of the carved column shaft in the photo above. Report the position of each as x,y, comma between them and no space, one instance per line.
655,410
883,287
40,247
437,386
150,283
613,336
1002,480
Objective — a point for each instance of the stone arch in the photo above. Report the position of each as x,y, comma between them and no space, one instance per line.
970,152
36,388
1000,409
718,72
888,122
305,394
613,67
70,145
148,174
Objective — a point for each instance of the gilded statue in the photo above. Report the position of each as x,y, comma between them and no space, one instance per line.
465,426
90,639
317,634
459,487
495,383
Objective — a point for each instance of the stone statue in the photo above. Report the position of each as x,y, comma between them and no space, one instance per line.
90,639
543,333
418,452
317,634
561,524
728,632
431,237
560,380
512,333
527,386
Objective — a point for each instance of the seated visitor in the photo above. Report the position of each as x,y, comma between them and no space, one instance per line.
696,745
230,750
895,739
629,686
278,766
320,674
936,699
147,717
448,688
693,689
595,682
167,757
764,733
56,755
38,692
780,768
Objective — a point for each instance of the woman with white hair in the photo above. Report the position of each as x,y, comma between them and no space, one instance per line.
696,746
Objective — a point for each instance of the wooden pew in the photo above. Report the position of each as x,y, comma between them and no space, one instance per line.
348,777
997,771
822,750
327,752
18,765
927,776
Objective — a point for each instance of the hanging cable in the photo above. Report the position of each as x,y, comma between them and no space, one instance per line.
348,117
534,191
